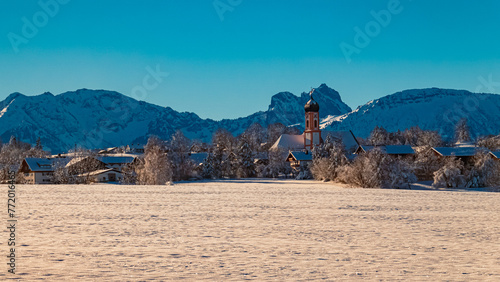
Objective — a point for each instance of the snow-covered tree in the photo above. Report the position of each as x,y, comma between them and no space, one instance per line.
462,131
60,172
379,136
277,164
213,166
429,138
426,162
223,140
328,159
13,153
484,173
129,174
450,174
245,166
256,135
375,169
182,165
274,131
157,169
490,142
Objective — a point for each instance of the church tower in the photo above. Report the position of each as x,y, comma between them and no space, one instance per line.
312,134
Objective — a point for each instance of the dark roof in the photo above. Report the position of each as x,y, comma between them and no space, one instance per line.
496,154
457,151
311,105
115,159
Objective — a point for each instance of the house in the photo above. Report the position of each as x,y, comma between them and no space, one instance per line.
135,148
79,165
393,150
117,161
465,154
37,170
112,150
299,159
104,175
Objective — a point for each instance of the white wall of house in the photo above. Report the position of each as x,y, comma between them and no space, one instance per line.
38,177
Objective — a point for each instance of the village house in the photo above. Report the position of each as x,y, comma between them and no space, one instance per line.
299,159
465,154
103,175
99,169
37,170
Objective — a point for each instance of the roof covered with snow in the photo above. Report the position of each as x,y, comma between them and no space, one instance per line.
101,171
391,149
457,151
289,142
39,164
300,155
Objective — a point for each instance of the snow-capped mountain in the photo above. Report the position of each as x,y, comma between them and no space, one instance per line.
431,109
99,118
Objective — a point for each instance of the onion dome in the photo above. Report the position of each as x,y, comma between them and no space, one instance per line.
311,105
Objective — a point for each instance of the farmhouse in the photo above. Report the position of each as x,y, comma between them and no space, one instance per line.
463,153
104,175
100,168
299,158
37,170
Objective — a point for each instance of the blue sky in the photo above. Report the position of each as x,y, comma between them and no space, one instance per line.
227,64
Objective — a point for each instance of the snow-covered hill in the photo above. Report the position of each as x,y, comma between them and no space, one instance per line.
431,109
99,118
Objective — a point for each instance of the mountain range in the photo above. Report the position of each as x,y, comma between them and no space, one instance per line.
100,118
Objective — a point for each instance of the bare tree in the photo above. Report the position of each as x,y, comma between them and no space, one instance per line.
182,166
379,136
462,131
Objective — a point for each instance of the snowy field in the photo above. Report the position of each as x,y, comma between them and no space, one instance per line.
255,229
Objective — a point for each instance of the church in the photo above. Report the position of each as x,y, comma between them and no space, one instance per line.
300,146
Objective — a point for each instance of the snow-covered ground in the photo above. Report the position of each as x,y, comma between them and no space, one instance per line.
254,229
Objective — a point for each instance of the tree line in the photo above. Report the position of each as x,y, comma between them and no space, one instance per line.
376,168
